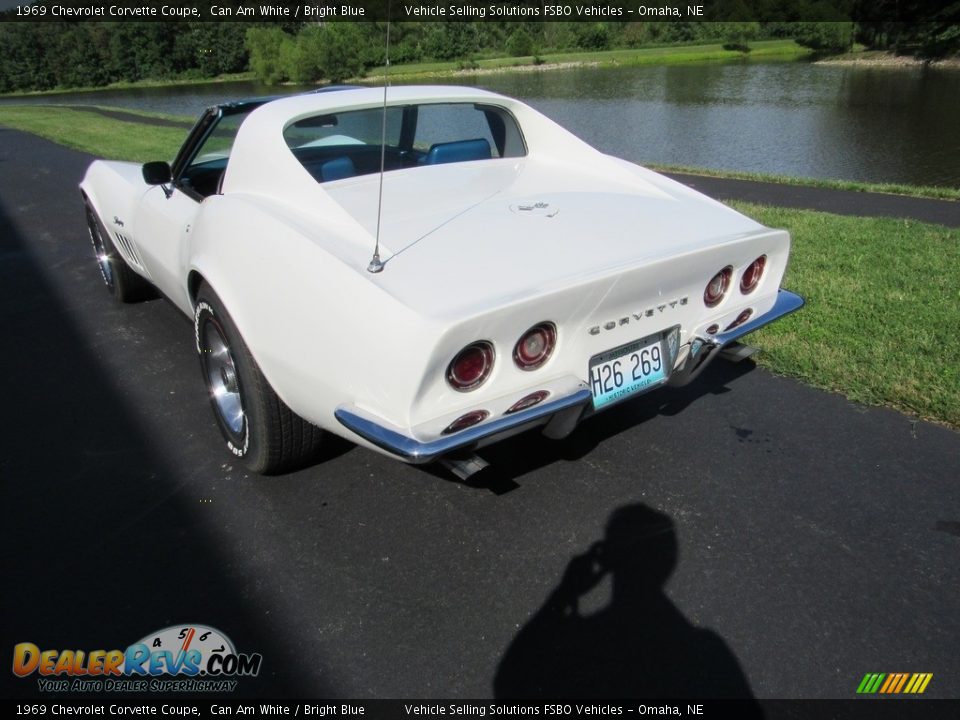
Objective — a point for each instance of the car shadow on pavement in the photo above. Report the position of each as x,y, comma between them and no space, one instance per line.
103,543
529,451
639,646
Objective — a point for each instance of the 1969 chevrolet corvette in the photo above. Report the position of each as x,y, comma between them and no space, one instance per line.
424,272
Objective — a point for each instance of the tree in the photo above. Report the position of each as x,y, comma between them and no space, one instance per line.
826,36
737,35
341,51
264,45
520,44
593,36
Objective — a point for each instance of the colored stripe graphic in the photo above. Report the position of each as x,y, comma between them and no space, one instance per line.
894,683
892,679
903,679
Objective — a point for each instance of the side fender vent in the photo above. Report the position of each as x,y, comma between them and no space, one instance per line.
128,250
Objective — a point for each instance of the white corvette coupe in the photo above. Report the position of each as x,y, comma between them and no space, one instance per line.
425,272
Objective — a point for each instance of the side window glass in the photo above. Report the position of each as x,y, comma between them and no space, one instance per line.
360,127
204,171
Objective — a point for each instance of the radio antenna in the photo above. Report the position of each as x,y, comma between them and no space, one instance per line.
376,265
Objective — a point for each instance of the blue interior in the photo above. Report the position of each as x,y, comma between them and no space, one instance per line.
459,151
337,169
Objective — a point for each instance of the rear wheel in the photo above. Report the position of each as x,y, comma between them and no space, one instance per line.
121,281
258,426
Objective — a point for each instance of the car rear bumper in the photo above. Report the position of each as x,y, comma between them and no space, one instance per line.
703,350
561,415
416,451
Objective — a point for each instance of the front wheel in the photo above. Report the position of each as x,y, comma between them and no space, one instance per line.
121,281
258,426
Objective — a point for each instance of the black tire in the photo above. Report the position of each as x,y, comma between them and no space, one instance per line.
122,282
258,426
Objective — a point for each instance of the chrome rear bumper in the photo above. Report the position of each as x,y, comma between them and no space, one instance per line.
563,412
415,451
702,350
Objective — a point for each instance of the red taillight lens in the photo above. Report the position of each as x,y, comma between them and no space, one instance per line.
464,421
471,366
528,401
535,347
713,329
753,273
741,319
717,287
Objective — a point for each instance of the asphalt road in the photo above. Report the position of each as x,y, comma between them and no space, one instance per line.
756,536
841,202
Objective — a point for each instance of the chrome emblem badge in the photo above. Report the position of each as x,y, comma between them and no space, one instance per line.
639,315
538,207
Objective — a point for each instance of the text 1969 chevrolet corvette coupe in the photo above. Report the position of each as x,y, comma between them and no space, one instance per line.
523,278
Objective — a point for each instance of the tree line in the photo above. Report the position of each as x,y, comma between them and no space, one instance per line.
41,56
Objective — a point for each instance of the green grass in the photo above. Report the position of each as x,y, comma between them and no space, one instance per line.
95,134
925,191
189,119
126,85
669,55
883,310
883,296
662,55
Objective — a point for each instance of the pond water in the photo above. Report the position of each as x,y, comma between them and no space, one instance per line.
800,119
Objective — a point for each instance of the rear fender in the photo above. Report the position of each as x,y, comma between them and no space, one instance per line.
320,329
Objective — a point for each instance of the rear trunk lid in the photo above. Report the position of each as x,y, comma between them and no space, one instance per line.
466,238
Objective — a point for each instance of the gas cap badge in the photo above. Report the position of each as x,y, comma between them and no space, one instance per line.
535,207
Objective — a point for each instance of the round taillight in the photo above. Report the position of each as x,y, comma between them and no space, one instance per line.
528,401
717,287
713,329
753,273
741,319
467,420
535,347
471,366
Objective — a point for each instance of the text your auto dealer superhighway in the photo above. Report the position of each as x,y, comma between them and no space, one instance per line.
119,11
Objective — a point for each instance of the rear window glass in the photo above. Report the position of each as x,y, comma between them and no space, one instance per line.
335,146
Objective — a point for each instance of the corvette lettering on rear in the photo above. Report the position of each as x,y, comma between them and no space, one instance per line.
649,312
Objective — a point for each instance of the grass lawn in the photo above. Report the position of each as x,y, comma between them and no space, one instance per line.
927,191
124,84
883,310
668,55
883,295
95,134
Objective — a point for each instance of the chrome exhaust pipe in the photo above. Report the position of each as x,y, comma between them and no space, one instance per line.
464,467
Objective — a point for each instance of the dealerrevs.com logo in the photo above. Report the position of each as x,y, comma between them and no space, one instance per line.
187,658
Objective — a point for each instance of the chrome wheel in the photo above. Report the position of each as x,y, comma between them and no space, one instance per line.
100,249
220,372
257,425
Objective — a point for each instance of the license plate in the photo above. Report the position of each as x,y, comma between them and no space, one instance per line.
627,370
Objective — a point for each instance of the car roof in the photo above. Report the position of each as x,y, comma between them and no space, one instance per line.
233,107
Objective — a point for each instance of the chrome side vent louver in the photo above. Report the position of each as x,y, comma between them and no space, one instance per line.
128,250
